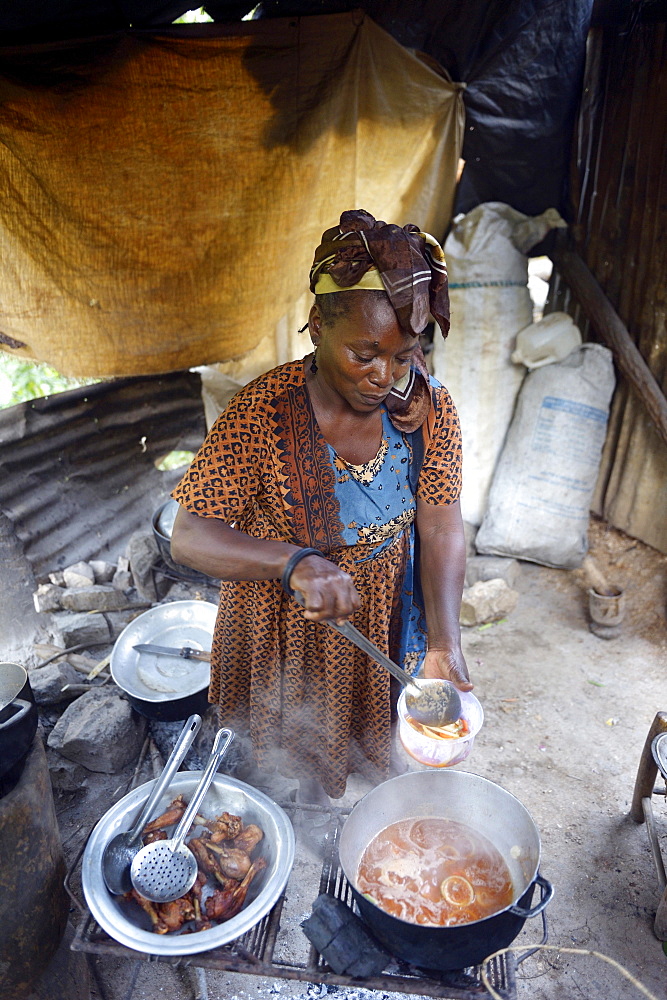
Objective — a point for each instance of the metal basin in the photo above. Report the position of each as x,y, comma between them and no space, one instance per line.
165,687
127,923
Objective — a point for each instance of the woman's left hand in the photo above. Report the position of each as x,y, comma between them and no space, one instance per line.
449,665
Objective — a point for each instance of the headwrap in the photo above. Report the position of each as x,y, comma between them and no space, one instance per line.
409,265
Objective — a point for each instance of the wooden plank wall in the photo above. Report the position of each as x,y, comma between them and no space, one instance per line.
619,194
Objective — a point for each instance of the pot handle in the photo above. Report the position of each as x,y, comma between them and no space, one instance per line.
23,709
545,898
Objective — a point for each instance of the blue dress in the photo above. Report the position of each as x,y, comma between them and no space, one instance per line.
377,506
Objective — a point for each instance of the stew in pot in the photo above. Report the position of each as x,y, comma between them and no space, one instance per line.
434,871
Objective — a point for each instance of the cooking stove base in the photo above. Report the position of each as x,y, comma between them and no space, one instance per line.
254,953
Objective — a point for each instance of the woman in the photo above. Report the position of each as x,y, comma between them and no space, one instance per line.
309,485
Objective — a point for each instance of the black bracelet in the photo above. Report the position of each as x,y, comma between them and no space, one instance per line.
291,563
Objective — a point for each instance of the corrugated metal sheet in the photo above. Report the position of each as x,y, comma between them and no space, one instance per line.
620,194
77,469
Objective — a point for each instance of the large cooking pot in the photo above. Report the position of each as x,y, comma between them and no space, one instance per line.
488,809
18,722
166,688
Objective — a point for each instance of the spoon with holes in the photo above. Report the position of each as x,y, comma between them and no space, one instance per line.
121,849
166,869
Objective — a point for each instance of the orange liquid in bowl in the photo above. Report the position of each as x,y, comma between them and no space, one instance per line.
435,872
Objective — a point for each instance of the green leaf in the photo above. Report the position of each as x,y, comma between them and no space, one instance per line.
597,684
501,621
21,380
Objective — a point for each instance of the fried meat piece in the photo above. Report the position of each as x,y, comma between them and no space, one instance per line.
158,926
150,838
201,923
223,827
249,837
232,862
226,903
177,912
205,862
169,817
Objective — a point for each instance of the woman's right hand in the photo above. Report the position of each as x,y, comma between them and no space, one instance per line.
326,590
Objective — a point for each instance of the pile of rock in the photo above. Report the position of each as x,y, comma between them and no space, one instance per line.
88,605
89,724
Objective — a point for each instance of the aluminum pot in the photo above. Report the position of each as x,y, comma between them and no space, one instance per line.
166,688
18,721
480,804
162,523
173,710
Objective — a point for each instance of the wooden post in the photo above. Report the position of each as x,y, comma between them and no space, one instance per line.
614,333
648,769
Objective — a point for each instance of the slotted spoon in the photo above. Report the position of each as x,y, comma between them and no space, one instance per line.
167,869
122,848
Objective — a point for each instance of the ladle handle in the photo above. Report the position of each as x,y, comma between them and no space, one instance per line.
183,744
220,745
352,633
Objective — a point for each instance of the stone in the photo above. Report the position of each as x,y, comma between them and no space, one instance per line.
99,731
48,598
47,682
81,629
122,579
492,568
487,601
102,570
95,598
66,775
58,578
78,575
119,619
143,554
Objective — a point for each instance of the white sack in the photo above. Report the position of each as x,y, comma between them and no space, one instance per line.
541,492
490,303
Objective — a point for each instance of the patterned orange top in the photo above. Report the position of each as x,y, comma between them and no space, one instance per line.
266,469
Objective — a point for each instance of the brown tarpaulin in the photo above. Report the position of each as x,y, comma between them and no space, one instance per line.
161,195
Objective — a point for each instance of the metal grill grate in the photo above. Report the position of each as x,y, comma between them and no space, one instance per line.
253,952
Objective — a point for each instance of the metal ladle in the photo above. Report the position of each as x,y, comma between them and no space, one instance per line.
166,869
120,851
431,701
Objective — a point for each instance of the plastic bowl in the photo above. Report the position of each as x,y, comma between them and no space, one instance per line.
435,752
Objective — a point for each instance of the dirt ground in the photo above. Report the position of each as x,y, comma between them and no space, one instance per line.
566,717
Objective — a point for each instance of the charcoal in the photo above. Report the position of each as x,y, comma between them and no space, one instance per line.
343,940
